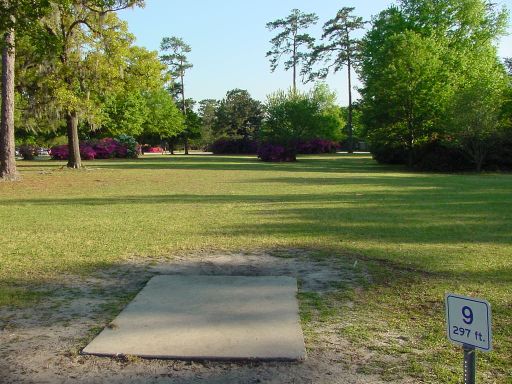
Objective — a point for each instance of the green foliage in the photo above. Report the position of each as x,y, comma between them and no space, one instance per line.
164,119
292,117
238,115
207,112
476,110
130,144
125,114
174,55
404,91
290,41
417,61
21,14
341,48
193,124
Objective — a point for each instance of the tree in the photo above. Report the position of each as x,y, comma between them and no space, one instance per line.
238,115
404,95
207,111
290,41
164,119
192,126
175,56
87,39
345,49
126,108
415,59
293,117
13,14
476,109
7,151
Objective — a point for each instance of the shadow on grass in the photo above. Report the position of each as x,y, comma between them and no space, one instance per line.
326,163
414,215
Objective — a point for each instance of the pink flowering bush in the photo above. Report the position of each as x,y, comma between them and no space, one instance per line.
87,152
59,152
98,149
106,148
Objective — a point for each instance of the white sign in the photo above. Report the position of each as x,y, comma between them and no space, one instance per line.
468,321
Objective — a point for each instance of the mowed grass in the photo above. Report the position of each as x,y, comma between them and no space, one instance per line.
415,235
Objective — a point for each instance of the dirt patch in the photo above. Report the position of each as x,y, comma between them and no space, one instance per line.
41,344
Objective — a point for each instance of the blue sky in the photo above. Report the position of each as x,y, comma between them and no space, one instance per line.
229,40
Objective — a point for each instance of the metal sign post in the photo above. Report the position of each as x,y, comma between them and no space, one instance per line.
469,365
468,322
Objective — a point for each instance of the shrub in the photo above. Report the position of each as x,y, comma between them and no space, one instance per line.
500,157
388,154
108,148
149,149
129,145
87,152
275,153
59,152
436,156
28,151
234,146
317,146
295,117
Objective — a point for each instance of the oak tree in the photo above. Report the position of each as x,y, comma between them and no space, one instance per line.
86,39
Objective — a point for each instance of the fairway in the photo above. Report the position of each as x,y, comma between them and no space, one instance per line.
410,238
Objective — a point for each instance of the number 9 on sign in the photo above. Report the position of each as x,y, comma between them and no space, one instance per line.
467,314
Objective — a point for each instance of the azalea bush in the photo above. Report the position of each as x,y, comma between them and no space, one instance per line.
150,149
109,148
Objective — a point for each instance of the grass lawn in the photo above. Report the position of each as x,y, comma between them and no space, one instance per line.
415,236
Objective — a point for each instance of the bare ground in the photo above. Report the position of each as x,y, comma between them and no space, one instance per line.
42,343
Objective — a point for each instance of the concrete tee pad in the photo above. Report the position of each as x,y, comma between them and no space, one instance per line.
208,318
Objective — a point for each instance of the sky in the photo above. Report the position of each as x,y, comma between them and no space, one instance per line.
229,40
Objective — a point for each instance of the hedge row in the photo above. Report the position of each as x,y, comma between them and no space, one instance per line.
121,147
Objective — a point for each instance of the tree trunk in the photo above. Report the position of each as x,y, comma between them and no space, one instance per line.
7,146
184,105
350,129
74,159
294,63
479,155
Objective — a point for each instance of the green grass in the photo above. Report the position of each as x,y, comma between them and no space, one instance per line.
417,236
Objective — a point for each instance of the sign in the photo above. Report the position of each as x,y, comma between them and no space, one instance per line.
468,322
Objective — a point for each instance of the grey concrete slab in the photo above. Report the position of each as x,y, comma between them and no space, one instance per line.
208,318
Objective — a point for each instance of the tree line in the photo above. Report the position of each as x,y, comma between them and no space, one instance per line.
434,93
